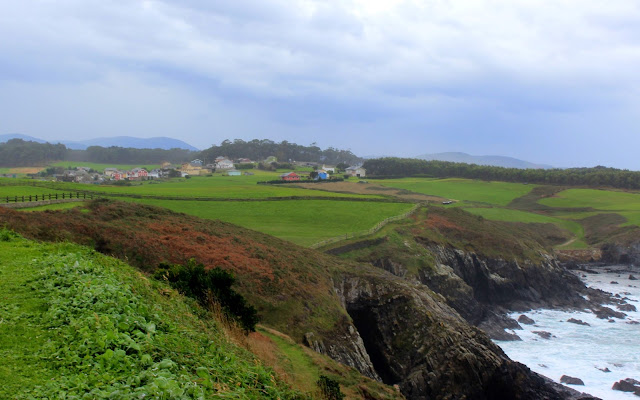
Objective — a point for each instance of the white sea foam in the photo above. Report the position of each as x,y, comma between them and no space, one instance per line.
583,351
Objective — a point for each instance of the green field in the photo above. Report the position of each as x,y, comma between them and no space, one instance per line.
12,191
496,193
597,199
304,222
217,186
509,215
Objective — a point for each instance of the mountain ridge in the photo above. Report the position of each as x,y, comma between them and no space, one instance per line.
160,142
493,160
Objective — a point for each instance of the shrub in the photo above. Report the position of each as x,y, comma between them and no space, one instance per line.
210,285
329,388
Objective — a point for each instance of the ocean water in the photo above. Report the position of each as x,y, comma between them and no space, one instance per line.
584,351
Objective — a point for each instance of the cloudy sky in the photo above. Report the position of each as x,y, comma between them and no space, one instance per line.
549,81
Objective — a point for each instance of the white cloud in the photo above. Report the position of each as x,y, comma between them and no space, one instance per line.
336,63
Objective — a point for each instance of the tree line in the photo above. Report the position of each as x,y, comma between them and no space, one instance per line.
19,153
596,176
284,151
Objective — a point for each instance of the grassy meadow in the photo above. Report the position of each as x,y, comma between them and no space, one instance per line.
496,193
303,222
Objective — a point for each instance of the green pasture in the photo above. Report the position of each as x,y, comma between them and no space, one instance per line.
509,215
11,191
490,192
217,186
303,222
597,199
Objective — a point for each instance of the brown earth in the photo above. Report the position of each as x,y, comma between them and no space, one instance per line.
370,188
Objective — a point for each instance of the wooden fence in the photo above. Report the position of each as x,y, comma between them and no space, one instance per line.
368,232
46,197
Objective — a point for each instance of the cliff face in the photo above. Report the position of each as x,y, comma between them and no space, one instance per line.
615,253
416,341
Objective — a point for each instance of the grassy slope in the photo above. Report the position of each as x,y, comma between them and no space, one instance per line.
181,352
130,339
273,274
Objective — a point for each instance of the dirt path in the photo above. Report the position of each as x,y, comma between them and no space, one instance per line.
369,188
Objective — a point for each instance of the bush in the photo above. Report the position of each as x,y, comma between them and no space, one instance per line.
210,285
329,388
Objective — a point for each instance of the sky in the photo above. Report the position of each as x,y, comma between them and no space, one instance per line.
547,81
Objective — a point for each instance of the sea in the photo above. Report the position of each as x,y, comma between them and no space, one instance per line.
585,352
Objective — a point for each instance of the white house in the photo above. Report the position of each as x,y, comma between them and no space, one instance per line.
356,171
224,163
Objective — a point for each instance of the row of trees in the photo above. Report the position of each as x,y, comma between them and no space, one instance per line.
128,155
19,153
284,151
596,176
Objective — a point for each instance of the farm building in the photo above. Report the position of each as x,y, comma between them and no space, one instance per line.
356,171
291,176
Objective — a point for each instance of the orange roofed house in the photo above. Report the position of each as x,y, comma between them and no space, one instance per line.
291,176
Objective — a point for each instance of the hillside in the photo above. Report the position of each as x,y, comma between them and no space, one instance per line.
385,326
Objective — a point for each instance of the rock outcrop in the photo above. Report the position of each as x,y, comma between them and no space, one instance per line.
425,347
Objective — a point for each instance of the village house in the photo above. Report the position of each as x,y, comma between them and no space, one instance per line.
190,169
291,176
109,172
243,161
224,163
329,168
138,174
356,171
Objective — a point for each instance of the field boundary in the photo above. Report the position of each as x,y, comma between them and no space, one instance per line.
29,204
368,232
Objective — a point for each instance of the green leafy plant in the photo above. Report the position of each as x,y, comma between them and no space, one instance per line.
329,388
210,286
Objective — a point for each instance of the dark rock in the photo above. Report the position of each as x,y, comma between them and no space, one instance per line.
523,319
611,321
606,312
626,307
627,385
614,283
570,380
543,334
578,321
416,341
605,369
633,322
632,278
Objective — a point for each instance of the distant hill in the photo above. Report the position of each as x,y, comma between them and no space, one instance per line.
497,161
9,136
164,143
